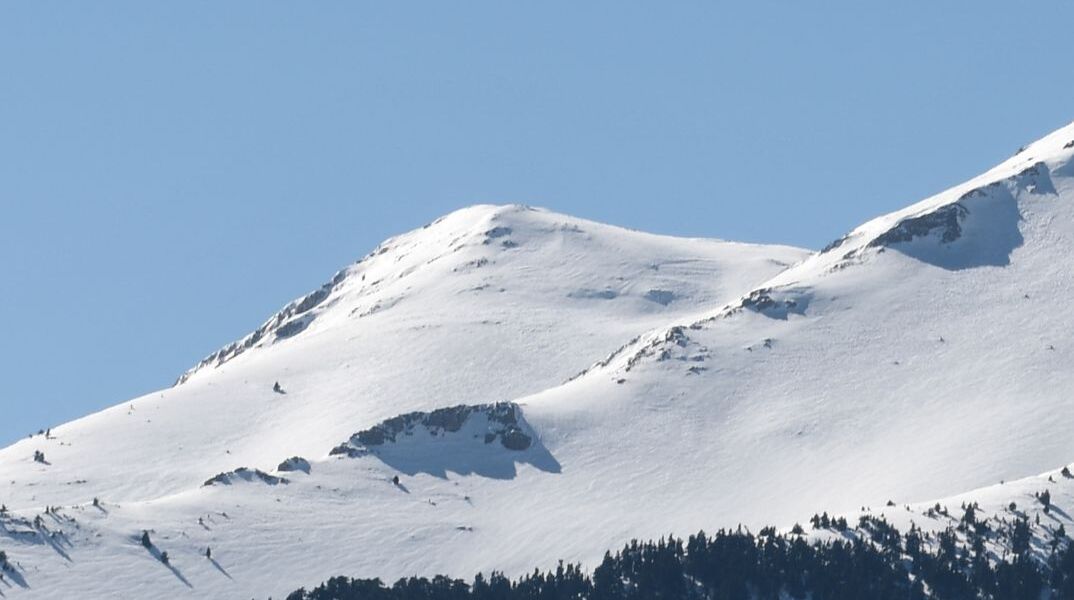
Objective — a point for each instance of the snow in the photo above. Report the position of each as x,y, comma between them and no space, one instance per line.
669,385
999,504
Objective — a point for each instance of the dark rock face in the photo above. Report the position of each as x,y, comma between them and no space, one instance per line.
346,449
1036,178
983,221
496,232
502,417
244,474
675,336
589,294
835,244
501,233
759,300
295,463
768,302
514,439
981,229
945,219
294,327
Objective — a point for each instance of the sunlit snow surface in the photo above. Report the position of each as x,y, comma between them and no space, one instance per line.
665,385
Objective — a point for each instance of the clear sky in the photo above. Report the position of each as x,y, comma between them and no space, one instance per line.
172,173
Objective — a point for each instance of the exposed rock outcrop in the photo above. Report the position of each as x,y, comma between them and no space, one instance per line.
944,220
295,463
244,474
501,422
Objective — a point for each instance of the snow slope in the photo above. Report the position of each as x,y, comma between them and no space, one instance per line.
486,304
998,507
653,385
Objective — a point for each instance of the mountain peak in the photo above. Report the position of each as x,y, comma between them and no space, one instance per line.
446,234
498,246
430,390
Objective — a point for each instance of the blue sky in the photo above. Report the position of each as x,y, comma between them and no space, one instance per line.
172,173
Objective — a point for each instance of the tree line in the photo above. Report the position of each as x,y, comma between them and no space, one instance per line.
873,560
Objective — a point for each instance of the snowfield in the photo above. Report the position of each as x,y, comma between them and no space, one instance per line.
507,387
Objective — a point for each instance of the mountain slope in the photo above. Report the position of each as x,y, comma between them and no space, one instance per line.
918,359
925,354
484,305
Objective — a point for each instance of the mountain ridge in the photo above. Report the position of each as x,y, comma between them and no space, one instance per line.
743,375
479,227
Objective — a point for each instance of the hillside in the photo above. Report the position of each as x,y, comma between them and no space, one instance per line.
485,305
546,387
1008,542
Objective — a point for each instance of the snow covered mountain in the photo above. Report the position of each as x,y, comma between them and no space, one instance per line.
545,387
